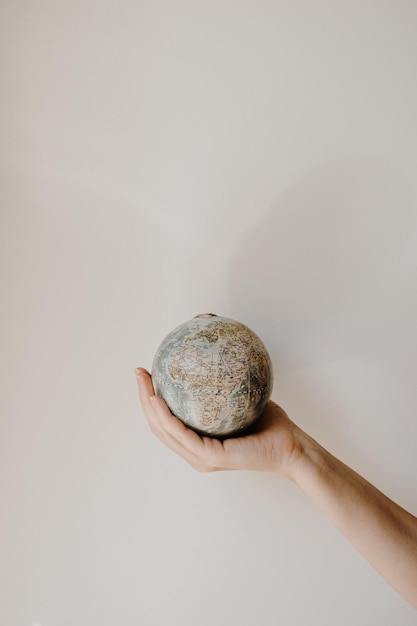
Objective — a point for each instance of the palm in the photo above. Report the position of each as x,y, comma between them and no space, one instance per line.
267,445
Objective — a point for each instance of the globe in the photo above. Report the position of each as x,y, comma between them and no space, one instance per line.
214,373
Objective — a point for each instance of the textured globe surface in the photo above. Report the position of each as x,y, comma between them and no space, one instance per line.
214,373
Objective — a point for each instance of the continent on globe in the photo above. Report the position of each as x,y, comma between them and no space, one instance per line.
214,373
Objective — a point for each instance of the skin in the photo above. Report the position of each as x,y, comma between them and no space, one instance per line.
383,532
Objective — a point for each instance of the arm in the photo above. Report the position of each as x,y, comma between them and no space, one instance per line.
383,532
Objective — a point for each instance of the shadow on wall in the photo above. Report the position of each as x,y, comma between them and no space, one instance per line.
325,273
326,277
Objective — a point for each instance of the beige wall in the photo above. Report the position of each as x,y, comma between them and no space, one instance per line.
162,159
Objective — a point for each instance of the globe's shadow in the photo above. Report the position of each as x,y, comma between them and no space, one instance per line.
318,276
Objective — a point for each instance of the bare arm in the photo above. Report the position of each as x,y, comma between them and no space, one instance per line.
383,532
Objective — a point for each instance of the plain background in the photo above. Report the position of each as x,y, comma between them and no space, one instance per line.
256,159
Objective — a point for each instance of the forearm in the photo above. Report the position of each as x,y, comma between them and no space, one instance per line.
384,533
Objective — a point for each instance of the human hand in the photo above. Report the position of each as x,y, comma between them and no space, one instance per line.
270,445
383,532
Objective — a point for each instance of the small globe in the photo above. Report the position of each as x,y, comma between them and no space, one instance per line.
214,373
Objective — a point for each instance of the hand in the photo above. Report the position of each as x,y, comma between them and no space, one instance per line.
384,533
270,445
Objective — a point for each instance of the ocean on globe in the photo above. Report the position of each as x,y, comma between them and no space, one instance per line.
214,373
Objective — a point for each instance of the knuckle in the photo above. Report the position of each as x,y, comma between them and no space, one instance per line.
157,432
153,428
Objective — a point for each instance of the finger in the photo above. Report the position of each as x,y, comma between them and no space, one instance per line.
143,376
175,427
156,405
146,392
145,387
158,418
207,452
196,450
147,395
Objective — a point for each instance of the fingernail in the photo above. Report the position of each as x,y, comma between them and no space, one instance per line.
138,371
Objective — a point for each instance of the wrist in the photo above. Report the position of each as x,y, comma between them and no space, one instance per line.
305,457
